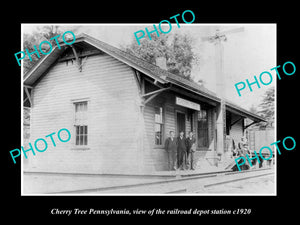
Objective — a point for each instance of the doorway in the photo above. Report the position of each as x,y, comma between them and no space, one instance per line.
180,122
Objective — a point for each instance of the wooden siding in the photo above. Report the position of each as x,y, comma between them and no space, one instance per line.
236,131
155,156
113,108
259,138
120,137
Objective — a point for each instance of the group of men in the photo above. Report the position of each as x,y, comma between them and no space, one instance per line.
180,151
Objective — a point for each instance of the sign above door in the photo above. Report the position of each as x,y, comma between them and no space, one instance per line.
187,104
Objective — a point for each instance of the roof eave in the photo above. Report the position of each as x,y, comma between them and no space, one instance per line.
236,109
37,70
28,80
145,71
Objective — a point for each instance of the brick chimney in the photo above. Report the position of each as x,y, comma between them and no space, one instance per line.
161,62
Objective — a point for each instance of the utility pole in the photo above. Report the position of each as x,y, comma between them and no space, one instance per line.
220,85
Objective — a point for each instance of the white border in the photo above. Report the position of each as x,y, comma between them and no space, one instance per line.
143,24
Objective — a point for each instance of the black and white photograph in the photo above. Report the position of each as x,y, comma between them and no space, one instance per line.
166,109
149,111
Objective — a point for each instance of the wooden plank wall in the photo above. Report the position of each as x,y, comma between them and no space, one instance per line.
236,131
155,156
113,109
116,127
259,138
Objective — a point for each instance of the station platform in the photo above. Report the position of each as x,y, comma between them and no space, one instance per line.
39,183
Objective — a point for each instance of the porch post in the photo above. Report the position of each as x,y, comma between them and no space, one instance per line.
221,126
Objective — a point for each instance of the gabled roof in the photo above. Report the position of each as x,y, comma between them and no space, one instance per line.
149,69
242,112
141,65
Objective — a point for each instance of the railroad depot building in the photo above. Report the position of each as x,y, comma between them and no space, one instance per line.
119,110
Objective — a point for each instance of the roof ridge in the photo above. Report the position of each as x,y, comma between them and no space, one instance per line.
199,87
133,61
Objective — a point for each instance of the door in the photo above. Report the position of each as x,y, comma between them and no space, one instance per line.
180,122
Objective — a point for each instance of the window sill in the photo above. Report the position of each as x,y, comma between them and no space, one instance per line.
80,148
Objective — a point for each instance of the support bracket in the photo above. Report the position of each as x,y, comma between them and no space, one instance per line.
78,61
153,94
250,124
28,94
236,121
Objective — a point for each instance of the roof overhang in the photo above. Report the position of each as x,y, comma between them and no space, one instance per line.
153,71
242,112
45,63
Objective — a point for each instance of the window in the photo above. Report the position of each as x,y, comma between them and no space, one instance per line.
158,125
81,128
202,128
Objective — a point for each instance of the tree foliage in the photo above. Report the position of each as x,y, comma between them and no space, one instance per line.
266,108
42,33
177,49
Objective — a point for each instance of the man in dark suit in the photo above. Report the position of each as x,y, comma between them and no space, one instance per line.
191,148
181,141
171,148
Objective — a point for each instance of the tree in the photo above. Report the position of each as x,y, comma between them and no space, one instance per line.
181,55
253,109
42,33
267,107
29,41
177,50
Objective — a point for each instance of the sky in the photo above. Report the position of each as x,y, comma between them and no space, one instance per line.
245,53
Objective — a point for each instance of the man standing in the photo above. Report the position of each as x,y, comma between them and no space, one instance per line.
181,141
191,148
171,148
243,149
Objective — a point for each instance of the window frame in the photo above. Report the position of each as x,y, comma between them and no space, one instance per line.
82,134
162,126
74,102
